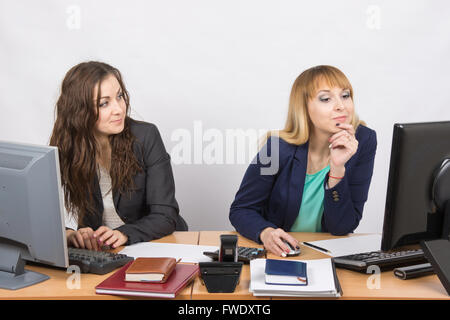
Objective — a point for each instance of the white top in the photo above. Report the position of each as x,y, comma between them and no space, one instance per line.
110,217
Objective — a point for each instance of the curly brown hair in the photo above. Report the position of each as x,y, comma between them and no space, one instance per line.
77,112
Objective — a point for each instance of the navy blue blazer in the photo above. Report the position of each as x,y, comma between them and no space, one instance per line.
273,200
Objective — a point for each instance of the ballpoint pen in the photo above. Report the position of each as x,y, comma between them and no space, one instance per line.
316,247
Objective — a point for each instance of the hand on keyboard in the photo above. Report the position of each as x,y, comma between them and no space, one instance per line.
86,238
113,238
98,262
83,238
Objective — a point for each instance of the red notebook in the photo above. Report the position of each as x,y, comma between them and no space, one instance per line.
116,284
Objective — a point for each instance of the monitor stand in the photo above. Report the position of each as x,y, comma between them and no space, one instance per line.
440,193
446,222
13,275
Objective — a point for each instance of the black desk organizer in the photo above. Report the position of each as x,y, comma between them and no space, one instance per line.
223,275
438,254
220,277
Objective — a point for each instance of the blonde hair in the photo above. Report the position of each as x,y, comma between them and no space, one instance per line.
298,124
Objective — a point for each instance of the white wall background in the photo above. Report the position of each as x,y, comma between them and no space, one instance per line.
230,65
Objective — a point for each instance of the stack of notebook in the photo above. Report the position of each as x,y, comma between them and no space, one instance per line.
290,278
149,277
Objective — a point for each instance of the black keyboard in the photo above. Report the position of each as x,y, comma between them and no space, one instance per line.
98,262
245,254
384,260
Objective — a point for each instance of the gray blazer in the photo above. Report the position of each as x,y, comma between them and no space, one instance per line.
151,211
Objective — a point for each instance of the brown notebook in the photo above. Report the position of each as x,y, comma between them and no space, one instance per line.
155,270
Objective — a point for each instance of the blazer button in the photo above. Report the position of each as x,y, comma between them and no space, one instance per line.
336,199
335,192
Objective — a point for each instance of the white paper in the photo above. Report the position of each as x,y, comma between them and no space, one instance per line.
350,245
185,252
290,280
320,280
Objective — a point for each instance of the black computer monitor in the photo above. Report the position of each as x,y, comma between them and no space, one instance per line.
417,206
31,213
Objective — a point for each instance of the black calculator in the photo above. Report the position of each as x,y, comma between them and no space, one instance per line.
245,254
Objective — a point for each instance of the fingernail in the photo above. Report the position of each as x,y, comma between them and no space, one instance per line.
283,255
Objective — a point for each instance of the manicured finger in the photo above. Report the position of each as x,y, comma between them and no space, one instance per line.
74,242
271,246
80,240
87,241
341,142
338,135
347,127
100,231
294,242
111,240
284,236
118,243
283,248
106,236
276,250
94,243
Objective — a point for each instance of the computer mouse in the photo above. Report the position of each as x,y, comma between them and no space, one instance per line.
294,251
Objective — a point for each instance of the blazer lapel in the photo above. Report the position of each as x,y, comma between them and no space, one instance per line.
116,199
296,185
95,219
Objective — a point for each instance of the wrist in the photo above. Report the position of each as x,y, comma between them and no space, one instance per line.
125,237
337,172
264,232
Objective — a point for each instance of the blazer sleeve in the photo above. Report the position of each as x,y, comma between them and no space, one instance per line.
344,203
247,209
161,216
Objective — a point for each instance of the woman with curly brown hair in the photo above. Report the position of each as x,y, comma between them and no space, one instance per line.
116,174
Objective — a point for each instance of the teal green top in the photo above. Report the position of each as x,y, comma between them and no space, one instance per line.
309,218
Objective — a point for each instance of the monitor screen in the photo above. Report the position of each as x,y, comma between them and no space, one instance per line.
418,151
31,213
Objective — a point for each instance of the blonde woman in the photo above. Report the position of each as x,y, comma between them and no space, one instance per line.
326,157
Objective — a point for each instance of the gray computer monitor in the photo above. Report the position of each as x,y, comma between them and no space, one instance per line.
32,224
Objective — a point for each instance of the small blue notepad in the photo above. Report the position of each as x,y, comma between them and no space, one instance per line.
286,272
